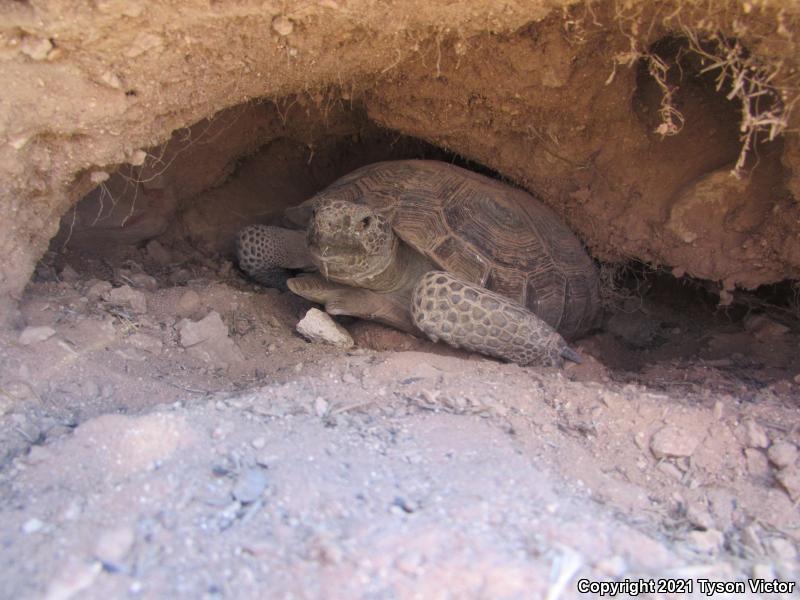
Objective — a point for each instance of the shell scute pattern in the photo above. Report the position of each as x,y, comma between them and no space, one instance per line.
486,232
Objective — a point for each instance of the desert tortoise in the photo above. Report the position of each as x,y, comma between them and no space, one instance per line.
425,245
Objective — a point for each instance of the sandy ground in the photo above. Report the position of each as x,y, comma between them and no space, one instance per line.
140,461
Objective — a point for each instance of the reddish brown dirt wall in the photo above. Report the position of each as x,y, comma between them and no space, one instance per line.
523,87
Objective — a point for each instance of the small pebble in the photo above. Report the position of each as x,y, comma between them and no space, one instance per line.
672,441
782,549
789,478
709,541
127,296
250,485
320,406
258,443
699,516
409,562
282,25
763,571
98,290
32,526
188,303
113,546
782,454
756,436
33,335
613,566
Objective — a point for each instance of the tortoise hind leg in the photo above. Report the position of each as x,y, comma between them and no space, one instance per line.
468,316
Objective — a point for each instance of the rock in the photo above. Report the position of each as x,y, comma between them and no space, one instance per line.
208,340
158,254
72,580
144,281
145,342
188,303
789,478
409,562
636,328
249,486
709,541
781,549
782,454
699,516
113,546
282,26
318,326
69,274
670,470
98,290
196,332
672,441
34,335
258,443
180,276
35,47
613,566
320,406
756,437
757,464
127,296
32,526
764,328
763,571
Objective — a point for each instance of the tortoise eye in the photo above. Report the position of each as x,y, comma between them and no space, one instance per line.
365,222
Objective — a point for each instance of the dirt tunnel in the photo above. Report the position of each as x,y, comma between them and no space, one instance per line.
138,361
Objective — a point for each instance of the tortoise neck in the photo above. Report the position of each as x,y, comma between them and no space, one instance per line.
401,273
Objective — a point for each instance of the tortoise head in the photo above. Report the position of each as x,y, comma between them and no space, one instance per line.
350,243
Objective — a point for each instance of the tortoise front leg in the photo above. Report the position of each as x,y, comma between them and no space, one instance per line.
390,308
267,253
468,316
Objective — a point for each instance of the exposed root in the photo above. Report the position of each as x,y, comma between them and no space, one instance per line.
760,86
615,296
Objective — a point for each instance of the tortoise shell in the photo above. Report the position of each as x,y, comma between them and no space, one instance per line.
484,231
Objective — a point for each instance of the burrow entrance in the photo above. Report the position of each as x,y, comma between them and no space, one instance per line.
171,221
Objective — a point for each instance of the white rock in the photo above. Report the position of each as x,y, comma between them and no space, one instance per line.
672,441
317,326
32,526
33,335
